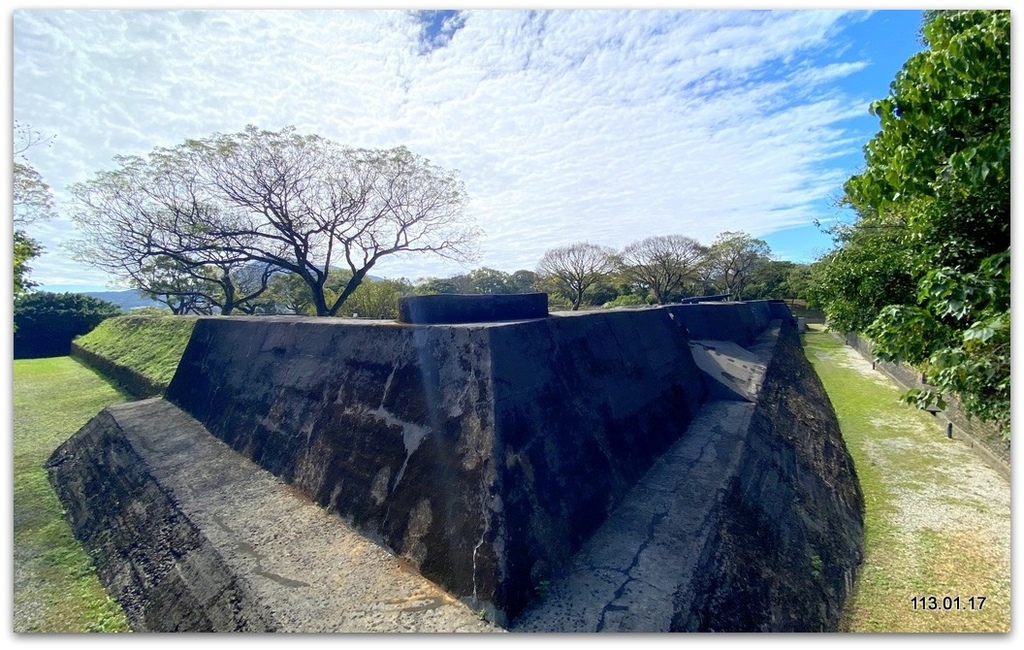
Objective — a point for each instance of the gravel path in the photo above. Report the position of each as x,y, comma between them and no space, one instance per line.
945,520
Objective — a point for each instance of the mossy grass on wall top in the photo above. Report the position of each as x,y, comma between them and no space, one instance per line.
151,345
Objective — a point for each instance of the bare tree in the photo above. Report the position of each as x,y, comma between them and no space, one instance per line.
572,270
203,288
663,264
146,224
301,204
33,200
166,281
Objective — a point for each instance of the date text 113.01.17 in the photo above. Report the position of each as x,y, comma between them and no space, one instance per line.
947,602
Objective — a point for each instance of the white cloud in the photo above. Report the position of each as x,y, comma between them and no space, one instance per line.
568,125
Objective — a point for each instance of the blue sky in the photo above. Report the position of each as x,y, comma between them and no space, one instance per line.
593,125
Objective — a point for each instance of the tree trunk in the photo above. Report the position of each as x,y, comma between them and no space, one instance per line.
353,284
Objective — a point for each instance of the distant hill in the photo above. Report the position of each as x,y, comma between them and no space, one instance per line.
127,299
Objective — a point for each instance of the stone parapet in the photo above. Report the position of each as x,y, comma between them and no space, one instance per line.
190,536
471,308
484,453
483,457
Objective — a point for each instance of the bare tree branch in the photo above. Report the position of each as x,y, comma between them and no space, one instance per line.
289,201
663,264
573,269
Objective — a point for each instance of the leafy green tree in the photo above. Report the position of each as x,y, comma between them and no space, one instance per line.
798,281
378,298
961,335
941,161
25,249
626,300
934,218
524,281
490,281
45,323
732,260
770,281
483,280
454,284
870,269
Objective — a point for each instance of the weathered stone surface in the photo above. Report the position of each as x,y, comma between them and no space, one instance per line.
471,308
190,536
739,322
486,454
625,577
584,404
752,521
790,537
730,371
510,463
148,554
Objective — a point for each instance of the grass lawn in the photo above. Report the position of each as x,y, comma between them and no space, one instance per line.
55,584
937,519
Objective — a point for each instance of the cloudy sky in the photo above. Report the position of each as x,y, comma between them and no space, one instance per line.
599,125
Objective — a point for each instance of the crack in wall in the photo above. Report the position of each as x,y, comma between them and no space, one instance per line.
247,549
485,517
612,606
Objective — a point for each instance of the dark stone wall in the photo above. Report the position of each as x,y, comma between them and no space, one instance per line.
584,405
485,454
789,537
724,321
472,308
386,425
109,497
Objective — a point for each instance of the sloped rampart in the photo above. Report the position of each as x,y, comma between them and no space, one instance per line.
486,458
484,453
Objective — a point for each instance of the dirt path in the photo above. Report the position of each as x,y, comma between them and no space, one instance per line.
938,517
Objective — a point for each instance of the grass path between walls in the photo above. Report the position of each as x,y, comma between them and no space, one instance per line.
937,517
55,585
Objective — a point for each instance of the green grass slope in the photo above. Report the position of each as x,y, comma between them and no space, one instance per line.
55,585
149,345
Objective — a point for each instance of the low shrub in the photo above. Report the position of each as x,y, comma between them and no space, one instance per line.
45,323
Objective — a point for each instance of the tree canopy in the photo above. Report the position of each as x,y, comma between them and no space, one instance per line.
46,323
925,269
733,260
571,271
32,201
299,203
663,264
